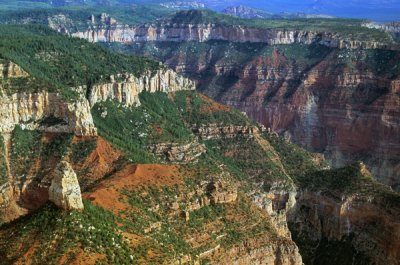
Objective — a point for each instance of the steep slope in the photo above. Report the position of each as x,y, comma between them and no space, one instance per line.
176,179
204,25
39,105
330,101
299,85
226,206
198,213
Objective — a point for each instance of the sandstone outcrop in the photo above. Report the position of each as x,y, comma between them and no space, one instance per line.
178,153
364,223
207,32
217,131
127,91
278,203
32,110
347,113
52,113
9,69
258,252
64,190
213,192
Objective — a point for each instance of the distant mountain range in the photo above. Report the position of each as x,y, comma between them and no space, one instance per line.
380,10
253,13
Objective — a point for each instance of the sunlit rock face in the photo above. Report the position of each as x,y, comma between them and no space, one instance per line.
64,190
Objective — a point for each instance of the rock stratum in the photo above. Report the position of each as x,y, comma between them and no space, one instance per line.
126,88
210,32
339,102
143,169
64,190
53,114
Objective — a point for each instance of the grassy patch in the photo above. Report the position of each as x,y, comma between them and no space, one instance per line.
196,110
245,158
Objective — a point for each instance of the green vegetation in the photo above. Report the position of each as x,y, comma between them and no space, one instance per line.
199,110
224,224
125,128
157,120
296,160
167,241
82,149
53,233
77,17
248,161
350,180
60,62
28,146
383,63
24,150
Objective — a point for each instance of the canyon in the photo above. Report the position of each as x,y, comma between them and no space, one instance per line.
329,94
51,113
142,167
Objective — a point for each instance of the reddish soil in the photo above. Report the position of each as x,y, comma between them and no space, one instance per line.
211,105
27,258
156,129
108,193
87,259
103,160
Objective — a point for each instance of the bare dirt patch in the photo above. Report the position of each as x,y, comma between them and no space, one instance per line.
108,193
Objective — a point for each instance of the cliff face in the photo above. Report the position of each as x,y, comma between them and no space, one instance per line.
126,88
207,32
364,228
347,114
342,103
45,116
284,253
35,110
64,190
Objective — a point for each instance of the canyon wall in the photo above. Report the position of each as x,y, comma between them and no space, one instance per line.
342,103
344,109
361,228
347,114
126,88
207,32
54,115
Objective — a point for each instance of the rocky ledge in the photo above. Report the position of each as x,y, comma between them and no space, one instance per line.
125,88
206,32
178,153
217,131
